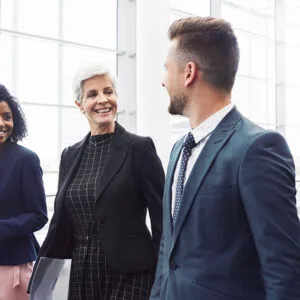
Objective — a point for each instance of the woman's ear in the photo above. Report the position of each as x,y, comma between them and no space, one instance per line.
190,73
79,105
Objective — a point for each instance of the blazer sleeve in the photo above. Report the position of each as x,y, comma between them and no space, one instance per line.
57,216
156,287
152,182
61,174
267,185
53,223
34,216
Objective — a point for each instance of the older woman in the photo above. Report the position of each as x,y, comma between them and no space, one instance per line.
22,201
106,183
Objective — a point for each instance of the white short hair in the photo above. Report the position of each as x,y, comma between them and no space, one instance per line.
88,71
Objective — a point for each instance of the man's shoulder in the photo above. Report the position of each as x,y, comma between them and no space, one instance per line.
250,135
248,129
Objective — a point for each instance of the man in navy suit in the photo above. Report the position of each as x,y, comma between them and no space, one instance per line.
230,227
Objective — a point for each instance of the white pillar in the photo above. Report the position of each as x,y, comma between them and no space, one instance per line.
126,64
152,99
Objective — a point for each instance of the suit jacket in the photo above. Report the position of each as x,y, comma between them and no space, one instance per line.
22,204
132,181
237,233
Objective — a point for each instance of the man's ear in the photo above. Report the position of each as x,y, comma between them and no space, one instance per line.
78,104
190,73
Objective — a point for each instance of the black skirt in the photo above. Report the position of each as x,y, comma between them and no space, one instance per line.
93,278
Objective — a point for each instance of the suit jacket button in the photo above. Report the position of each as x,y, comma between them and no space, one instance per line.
173,266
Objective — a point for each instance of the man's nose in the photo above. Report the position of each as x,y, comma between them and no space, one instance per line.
1,122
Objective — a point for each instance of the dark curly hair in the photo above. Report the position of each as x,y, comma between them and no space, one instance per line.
20,126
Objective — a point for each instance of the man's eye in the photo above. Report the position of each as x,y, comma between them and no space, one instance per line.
7,118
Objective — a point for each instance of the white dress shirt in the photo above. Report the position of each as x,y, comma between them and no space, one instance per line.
201,135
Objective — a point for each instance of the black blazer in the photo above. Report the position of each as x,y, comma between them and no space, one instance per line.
22,204
131,182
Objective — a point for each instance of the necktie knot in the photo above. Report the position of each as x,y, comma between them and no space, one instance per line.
189,143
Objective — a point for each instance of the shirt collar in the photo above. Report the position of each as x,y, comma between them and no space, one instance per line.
210,124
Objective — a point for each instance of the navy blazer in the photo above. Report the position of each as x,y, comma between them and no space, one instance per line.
22,204
237,233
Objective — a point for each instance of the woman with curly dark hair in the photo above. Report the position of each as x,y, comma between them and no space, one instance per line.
22,201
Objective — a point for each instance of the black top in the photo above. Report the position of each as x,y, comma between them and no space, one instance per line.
87,266
80,195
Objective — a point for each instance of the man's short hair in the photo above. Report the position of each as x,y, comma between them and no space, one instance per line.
211,44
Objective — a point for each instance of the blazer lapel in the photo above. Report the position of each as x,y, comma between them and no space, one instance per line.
72,160
215,143
118,151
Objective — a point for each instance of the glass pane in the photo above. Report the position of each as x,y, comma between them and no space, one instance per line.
176,135
6,61
293,106
7,14
252,16
259,101
73,58
179,122
292,10
258,58
50,182
239,18
292,34
244,45
254,22
174,16
41,234
292,64
43,13
200,8
258,24
43,134
74,126
29,14
91,22
292,137
241,95
37,71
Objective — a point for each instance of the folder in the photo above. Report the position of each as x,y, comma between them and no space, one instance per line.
51,279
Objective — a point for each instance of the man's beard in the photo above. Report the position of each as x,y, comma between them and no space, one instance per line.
177,104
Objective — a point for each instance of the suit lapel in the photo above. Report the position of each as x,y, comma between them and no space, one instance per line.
215,143
118,151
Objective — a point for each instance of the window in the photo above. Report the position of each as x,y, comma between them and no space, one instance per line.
38,63
254,89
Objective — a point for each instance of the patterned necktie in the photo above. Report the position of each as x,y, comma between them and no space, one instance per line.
188,145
